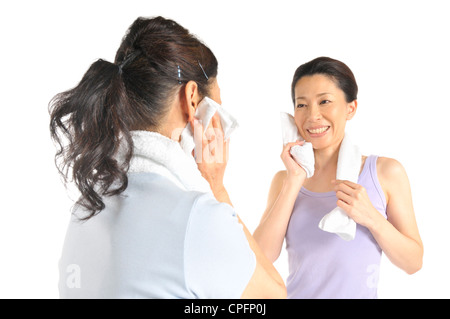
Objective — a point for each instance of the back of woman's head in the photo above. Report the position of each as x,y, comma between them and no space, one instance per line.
339,72
90,122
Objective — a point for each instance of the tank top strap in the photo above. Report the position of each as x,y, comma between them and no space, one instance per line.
369,179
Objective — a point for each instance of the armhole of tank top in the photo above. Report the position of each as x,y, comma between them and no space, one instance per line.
376,182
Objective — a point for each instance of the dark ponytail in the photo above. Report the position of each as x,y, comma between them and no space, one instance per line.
90,118
91,121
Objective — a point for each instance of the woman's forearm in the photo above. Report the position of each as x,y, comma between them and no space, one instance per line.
404,252
271,231
398,236
222,196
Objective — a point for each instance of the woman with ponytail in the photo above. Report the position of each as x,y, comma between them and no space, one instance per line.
151,221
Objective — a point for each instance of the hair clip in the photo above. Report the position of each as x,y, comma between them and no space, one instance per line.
200,65
179,74
131,56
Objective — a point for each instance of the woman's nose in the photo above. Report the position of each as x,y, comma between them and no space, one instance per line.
314,112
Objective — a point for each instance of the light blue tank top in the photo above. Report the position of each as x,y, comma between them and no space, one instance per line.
321,264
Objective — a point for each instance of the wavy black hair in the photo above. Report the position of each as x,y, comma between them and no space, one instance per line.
88,123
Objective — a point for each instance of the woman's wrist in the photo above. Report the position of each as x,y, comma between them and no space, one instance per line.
295,181
376,223
221,194
218,188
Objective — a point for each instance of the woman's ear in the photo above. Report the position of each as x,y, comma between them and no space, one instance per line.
351,109
192,98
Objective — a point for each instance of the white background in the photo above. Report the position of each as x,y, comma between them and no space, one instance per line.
398,51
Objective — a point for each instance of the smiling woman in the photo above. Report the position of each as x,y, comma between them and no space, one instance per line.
321,109
322,90
322,265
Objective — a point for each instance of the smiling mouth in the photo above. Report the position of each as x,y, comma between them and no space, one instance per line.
318,130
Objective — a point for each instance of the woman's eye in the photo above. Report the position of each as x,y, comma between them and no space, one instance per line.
300,105
325,102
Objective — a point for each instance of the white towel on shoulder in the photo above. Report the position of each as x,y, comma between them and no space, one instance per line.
155,153
348,167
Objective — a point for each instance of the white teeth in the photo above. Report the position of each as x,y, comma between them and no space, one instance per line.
318,130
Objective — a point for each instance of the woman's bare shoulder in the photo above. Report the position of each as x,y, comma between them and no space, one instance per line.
391,175
389,167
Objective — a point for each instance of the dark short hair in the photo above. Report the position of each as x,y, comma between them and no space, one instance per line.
338,71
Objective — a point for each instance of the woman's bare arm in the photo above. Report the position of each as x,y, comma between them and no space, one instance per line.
265,282
398,235
283,192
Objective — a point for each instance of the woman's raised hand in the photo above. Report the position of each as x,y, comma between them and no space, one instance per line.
211,151
293,169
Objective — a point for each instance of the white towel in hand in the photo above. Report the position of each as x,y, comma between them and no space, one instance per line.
348,167
302,154
205,111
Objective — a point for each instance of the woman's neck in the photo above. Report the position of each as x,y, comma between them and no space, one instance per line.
324,169
326,157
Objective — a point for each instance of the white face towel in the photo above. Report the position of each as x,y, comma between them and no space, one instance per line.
302,154
205,111
348,167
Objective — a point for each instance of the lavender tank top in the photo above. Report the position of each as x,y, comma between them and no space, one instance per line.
321,264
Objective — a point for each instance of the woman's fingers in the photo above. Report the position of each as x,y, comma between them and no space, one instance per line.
209,144
344,197
289,145
347,183
201,149
292,167
216,124
343,187
351,189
